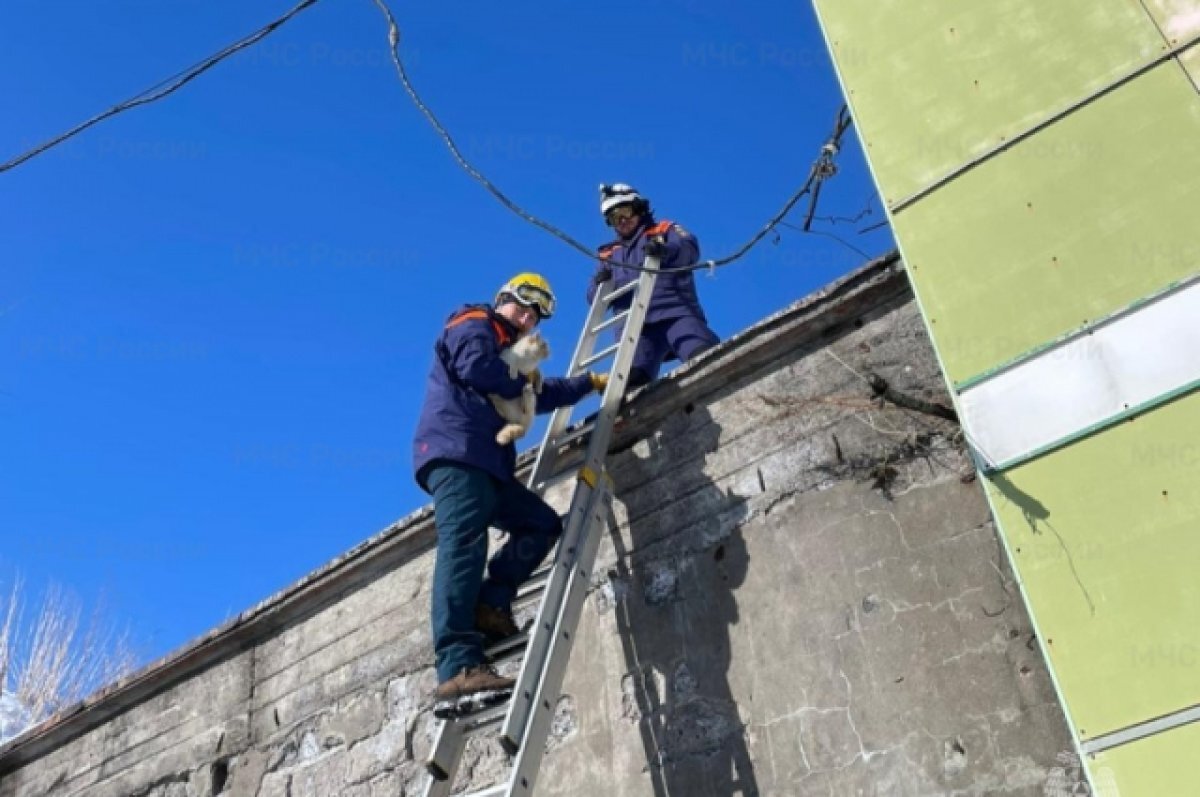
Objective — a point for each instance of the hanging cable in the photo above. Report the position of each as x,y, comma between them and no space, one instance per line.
826,167
822,169
816,175
868,210
163,87
824,234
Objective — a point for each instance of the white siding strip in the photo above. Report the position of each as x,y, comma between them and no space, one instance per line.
1092,378
1135,732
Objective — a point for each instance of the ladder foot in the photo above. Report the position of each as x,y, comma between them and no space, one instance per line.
435,771
509,745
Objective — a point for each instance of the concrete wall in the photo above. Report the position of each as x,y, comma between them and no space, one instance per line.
802,593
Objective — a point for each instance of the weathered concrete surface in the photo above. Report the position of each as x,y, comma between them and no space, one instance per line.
801,593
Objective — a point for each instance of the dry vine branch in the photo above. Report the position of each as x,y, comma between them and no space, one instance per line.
55,659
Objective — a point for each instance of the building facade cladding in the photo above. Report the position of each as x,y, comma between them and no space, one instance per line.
801,592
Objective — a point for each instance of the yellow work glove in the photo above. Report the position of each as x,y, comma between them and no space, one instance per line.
599,382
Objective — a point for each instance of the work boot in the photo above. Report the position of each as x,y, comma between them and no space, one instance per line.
473,680
496,624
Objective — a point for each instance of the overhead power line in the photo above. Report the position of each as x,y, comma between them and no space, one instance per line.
163,87
868,209
834,221
822,169
824,234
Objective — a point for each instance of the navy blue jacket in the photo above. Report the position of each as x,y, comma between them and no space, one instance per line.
458,423
674,293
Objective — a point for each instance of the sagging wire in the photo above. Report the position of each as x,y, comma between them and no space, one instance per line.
827,168
444,134
816,175
822,168
868,210
163,87
824,234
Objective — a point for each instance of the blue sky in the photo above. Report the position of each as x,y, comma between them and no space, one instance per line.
218,310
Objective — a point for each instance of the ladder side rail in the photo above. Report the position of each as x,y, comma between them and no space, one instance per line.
524,695
452,736
618,379
548,454
445,758
543,629
533,744
528,759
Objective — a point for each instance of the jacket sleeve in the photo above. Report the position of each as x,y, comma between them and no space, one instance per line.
558,391
601,267
593,286
683,249
473,357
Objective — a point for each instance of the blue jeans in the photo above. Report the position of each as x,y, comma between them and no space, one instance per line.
466,500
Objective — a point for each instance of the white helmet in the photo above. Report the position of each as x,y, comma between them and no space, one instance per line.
618,194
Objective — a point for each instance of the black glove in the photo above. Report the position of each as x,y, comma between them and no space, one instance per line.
603,274
655,247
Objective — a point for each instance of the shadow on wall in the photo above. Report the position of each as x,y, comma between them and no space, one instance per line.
675,620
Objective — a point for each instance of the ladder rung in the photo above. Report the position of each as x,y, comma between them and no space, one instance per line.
595,358
498,790
619,292
536,583
554,478
611,322
584,428
508,648
480,722
484,720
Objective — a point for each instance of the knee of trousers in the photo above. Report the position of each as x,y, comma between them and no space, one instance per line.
547,524
691,336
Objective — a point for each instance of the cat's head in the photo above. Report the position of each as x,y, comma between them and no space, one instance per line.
534,346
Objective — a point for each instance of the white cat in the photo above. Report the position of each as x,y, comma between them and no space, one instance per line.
522,357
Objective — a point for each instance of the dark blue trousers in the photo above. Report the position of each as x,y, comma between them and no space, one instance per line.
466,502
683,337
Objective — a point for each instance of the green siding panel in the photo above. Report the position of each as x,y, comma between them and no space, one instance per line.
1179,20
1190,60
935,84
1105,536
1157,766
1090,215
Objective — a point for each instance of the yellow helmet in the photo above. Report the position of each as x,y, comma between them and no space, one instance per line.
529,290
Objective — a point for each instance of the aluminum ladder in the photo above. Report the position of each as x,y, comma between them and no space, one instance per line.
524,720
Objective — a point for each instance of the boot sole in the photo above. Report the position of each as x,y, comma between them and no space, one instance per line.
466,705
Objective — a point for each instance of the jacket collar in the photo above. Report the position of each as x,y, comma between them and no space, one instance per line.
509,327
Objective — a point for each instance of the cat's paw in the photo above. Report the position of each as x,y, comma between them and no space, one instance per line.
510,434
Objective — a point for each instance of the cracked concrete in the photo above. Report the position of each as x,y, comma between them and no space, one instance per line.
798,593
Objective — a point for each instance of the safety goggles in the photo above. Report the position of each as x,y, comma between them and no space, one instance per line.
619,214
531,296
